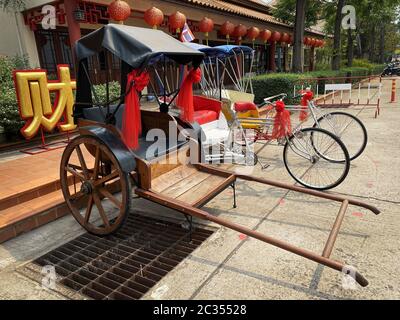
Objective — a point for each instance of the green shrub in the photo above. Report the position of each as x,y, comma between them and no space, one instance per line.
101,92
377,69
9,114
272,84
354,72
374,69
322,66
363,63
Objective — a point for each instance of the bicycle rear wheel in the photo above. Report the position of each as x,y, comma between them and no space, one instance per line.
316,159
347,128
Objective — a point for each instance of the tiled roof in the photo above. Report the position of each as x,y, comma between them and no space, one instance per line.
236,9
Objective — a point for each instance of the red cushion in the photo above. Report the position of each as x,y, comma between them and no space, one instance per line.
205,116
204,103
244,106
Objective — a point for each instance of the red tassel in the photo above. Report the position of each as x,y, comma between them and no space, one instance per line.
308,96
131,123
185,97
282,124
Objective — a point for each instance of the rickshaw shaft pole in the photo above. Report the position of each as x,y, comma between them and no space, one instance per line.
201,214
318,194
335,230
281,185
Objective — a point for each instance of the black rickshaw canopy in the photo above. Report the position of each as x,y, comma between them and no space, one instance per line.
136,46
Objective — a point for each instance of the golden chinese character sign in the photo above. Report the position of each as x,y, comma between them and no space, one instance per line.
33,91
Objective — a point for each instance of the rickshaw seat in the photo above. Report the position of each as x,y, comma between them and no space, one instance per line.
162,149
206,110
244,106
95,114
205,116
236,96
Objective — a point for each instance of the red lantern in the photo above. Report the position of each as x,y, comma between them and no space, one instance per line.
154,17
206,25
276,36
227,29
177,21
240,31
313,42
307,41
253,33
266,35
119,10
285,38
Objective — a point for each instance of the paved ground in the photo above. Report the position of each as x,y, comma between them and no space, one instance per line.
230,267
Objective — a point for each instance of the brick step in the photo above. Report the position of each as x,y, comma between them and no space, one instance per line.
27,194
31,214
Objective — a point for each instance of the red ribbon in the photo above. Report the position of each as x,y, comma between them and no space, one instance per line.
308,96
185,97
282,124
131,123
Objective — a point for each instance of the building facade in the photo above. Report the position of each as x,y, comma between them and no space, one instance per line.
48,47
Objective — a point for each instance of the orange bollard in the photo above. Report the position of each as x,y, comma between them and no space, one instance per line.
393,99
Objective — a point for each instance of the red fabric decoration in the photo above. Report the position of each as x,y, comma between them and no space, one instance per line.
131,123
308,96
185,97
282,124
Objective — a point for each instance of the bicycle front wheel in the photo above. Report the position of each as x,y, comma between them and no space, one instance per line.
316,159
347,128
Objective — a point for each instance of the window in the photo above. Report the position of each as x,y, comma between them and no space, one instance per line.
54,48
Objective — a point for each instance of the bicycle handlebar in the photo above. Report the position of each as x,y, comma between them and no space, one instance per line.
281,96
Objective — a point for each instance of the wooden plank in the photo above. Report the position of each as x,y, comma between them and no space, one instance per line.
199,191
216,191
168,162
185,185
172,177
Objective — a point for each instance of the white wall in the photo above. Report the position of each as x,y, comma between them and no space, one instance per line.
16,38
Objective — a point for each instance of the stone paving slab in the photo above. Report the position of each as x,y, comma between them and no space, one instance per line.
229,266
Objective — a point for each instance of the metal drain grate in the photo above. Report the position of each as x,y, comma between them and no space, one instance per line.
127,264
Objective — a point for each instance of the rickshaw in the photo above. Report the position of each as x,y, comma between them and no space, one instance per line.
235,85
243,124
100,166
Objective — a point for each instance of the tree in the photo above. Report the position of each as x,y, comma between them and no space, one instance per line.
337,36
285,10
373,22
299,26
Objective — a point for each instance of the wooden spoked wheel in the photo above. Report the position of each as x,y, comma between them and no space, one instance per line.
95,188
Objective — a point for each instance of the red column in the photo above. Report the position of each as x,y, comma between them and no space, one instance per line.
74,28
272,50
